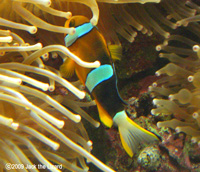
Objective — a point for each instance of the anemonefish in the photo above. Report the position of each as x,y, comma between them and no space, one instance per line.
89,45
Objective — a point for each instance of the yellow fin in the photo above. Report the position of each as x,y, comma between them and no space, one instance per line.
115,51
67,68
104,116
131,134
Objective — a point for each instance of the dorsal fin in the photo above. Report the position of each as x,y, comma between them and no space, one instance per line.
67,68
115,51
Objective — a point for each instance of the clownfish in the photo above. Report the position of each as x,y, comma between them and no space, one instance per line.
89,45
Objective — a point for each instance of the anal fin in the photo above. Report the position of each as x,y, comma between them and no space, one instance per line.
104,116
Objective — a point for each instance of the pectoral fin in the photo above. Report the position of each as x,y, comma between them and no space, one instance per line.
115,51
67,68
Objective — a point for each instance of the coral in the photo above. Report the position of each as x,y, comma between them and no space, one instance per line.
149,158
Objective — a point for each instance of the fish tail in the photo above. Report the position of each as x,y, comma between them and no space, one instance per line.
131,134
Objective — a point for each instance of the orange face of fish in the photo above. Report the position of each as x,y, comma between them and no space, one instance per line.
90,47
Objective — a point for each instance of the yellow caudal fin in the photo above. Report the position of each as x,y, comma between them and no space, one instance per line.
131,134
115,51
67,68
104,116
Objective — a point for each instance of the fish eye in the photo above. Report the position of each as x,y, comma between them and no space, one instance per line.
72,23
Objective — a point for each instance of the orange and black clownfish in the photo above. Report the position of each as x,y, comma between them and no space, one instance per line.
89,45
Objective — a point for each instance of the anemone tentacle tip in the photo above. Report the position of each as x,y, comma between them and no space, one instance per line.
78,118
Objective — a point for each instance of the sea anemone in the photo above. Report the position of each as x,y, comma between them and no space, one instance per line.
35,126
28,114
37,13
125,20
177,92
33,123
28,128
